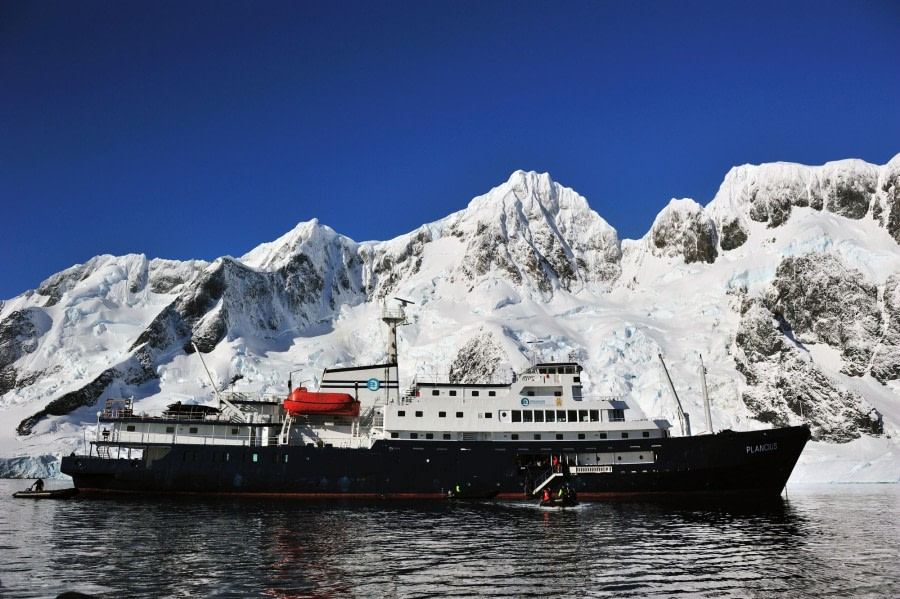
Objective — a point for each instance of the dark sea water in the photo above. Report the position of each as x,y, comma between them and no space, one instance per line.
823,541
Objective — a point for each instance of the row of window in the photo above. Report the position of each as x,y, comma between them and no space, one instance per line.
171,429
224,456
419,414
517,437
538,415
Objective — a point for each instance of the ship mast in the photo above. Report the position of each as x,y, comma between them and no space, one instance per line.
706,413
393,315
683,418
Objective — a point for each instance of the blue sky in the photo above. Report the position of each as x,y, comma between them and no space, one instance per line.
195,129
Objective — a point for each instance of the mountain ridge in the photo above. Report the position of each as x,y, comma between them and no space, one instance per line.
527,261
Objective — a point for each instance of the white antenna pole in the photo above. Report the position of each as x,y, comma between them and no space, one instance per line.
706,412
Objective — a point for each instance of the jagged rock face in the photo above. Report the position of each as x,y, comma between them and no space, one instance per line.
886,359
786,388
539,235
19,335
890,188
684,229
478,360
391,263
823,301
769,193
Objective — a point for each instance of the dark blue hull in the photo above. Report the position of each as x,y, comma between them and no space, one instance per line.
751,463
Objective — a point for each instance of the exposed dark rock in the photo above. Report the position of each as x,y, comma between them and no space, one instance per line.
684,229
733,235
478,360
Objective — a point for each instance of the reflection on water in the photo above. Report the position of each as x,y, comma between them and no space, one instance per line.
822,542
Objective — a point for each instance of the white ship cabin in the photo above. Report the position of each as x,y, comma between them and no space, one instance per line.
545,403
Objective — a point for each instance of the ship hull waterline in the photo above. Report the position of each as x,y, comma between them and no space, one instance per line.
729,464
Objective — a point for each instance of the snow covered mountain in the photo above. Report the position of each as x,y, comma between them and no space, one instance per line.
787,283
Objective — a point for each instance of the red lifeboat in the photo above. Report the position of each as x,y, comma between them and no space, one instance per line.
302,403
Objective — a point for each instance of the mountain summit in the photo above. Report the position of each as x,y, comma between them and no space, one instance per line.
786,283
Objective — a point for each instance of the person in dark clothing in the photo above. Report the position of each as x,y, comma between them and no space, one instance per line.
38,485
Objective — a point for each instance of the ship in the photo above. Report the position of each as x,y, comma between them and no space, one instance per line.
363,435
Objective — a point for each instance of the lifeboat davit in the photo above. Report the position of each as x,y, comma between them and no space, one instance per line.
302,402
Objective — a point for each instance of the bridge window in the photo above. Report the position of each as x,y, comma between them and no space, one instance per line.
530,394
539,415
573,416
560,415
526,416
517,416
583,416
557,394
551,416
595,415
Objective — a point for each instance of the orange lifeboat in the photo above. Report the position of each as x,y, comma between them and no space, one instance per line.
302,402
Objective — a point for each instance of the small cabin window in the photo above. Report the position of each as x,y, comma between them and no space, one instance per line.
170,429
580,436
542,370
413,435
492,393
401,413
234,431
537,436
515,437
435,392
488,414
577,379
394,435
517,415
551,415
559,436
452,392
193,430
429,435
624,435
459,414
602,435
539,415
447,436
474,393
130,428
442,414
646,434
418,413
